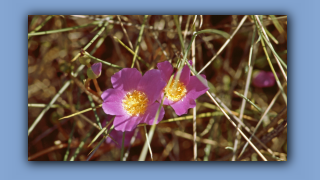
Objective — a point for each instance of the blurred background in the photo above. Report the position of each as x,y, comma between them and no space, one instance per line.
53,41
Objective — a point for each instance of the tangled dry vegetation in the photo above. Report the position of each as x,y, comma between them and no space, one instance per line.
235,52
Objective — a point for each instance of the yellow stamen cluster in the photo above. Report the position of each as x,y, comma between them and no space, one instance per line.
176,91
135,103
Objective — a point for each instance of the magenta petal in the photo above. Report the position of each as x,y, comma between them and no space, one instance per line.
166,70
112,102
126,79
152,84
185,74
181,107
112,95
196,88
264,79
149,116
126,122
166,101
96,68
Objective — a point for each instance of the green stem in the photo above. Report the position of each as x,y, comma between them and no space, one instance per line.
130,50
38,105
53,100
190,117
243,103
277,24
176,21
204,82
62,30
80,112
273,71
69,142
271,36
224,34
260,121
94,111
103,130
100,142
81,144
274,53
96,148
225,44
153,127
139,40
102,61
258,108
42,24
207,149
64,87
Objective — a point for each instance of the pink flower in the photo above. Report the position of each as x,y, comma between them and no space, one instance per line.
188,88
264,79
133,98
117,136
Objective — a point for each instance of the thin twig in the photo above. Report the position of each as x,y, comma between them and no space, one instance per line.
163,51
195,153
81,145
125,32
145,131
66,85
131,51
250,61
243,135
268,137
102,61
62,30
261,119
50,149
139,40
269,44
248,100
34,105
42,24
131,142
69,142
225,44
274,72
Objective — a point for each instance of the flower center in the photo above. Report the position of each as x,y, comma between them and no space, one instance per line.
176,91
135,103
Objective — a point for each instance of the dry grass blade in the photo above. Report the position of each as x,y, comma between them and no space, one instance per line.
103,130
37,120
248,100
224,45
66,85
241,97
131,51
261,28
139,40
80,112
262,117
243,135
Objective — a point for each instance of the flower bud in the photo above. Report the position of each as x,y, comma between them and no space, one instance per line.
263,79
95,71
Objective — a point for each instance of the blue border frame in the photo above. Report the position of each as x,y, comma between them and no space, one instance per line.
303,118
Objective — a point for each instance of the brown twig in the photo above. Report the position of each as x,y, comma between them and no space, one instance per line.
50,149
268,137
93,94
